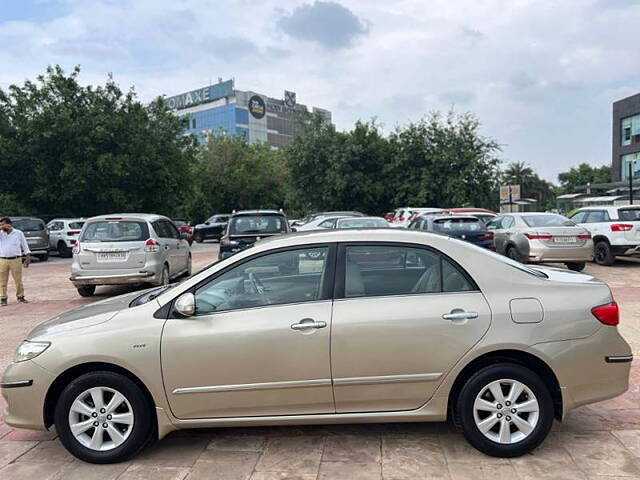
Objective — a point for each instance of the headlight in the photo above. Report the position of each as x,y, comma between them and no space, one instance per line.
29,350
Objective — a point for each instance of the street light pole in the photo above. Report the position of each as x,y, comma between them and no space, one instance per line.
631,182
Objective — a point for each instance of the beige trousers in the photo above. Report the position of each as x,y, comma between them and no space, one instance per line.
15,267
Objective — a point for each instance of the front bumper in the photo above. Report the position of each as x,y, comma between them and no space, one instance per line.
113,278
24,388
584,368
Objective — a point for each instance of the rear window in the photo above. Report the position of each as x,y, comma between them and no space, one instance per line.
458,225
115,231
363,223
629,214
257,224
76,225
29,225
547,221
180,223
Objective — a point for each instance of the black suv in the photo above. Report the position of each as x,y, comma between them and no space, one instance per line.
247,227
213,228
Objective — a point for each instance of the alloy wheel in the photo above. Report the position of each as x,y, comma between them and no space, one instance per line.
506,411
101,418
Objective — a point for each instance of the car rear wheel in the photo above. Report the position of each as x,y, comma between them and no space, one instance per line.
164,278
197,237
63,250
513,254
602,253
86,290
505,410
103,417
576,266
43,257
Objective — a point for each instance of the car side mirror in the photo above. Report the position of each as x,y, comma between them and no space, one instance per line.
185,305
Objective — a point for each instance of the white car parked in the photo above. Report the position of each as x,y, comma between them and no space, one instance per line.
615,230
63,234
404,216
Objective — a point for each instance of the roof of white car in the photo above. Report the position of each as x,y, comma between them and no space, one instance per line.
609,207
149,217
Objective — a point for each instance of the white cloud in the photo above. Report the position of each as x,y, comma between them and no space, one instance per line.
540,74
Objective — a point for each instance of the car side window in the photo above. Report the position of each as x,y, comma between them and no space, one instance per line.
579,217
453,280
508,222
494,224
596,216
328,224
160,229
274,279
171,229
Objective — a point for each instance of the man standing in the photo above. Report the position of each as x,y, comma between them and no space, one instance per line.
12,246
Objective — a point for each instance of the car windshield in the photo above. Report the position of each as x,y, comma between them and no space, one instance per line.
29,225
115,231
363,223
458,225
76,225
257,224
629,214
547,221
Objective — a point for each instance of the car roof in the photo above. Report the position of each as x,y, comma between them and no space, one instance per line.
255,212
25,218
372,217
611,207
146,217
471,209
453,217
521,214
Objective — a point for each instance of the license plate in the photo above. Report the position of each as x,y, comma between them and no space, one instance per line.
112,256
565,239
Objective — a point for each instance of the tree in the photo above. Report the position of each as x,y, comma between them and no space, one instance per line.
531,185
232,174
339,170
583,174
91,150
443,162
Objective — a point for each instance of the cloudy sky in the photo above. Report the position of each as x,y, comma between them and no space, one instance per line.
540,74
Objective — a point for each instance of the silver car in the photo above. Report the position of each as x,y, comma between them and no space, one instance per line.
128,249
386,325
63,235
542,238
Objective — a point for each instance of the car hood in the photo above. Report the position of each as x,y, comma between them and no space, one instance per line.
212,224
84,316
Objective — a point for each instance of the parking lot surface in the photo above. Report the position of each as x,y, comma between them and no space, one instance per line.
600,441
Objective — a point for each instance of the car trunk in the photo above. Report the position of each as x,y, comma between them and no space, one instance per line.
560,237
630,216
113,244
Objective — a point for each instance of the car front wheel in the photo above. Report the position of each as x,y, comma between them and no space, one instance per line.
505,410
103,417
576,266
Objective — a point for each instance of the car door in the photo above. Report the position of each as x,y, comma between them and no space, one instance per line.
403,316
259,341
55,233
167,245
180,247
499,234
598,222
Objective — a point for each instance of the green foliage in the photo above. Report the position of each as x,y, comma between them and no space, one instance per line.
91,150
582,174
232,174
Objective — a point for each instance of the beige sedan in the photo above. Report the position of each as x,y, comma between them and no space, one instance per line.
378,325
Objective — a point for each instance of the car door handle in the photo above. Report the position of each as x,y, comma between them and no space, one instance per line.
304,325
460,315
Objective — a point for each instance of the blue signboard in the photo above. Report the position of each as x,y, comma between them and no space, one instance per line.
201,95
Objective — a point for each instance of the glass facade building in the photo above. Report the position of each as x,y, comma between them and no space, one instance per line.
220,109
626,138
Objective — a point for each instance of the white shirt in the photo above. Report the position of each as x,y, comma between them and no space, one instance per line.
13,244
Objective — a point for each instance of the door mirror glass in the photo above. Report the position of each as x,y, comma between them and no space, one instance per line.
186,304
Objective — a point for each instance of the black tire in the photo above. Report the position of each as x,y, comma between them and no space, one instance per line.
141,431
479,381
63,250
197,237
43,257
513,254
602,253
86,290
576,266
165,278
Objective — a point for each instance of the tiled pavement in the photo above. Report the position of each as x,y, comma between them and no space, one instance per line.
600,441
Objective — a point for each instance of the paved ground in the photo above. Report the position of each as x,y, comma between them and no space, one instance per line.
601,441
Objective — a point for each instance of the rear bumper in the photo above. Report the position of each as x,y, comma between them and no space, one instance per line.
584,367
625,249
561,254
112,278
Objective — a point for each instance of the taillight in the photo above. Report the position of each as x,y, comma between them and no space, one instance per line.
401,219
151,245
73,232
487,236
608,314
538,236
621,227
585,236
76,248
